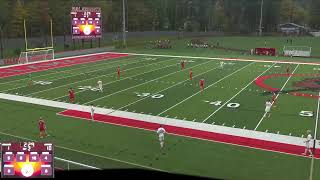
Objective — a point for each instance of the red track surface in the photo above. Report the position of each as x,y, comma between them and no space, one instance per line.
199,134
42,66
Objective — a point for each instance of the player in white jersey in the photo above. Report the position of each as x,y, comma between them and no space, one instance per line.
221,64
92,112
268,108
100,86
161,131
308,142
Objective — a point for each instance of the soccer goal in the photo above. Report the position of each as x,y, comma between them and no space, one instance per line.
38,54
298,51
34,54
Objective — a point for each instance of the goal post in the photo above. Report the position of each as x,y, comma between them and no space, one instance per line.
297,51
36,53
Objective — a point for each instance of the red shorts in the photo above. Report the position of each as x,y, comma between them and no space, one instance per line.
42,129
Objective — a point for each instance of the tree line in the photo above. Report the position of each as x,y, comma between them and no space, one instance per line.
153,15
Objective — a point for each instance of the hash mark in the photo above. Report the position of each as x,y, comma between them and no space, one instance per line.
289,134
167,115
266,130
233,126
184,119
223,124
176,117
278,132
213,122
244,127
194,120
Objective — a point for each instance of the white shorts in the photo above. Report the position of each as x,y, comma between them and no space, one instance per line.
161,138
307,145
100,87
92,114
267,109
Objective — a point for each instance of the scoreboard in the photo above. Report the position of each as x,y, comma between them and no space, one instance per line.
86,22
27,159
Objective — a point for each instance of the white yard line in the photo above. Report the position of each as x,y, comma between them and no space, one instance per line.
87,153
317,118
76,74
83,66
146,82
93,78
205,88
276,97
315,137
236,94
169,86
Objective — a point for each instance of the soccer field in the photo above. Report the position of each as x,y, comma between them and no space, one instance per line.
156,87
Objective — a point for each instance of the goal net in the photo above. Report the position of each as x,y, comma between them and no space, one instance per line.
36,55
299,51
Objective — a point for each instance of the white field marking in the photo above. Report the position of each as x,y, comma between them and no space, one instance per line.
146,82
317,118
233,126
205,88
167,115
256,148
184,119
97,77
74,74
315,137
244,127
236,95
86,153
226,59
168,87
223,124
213,122
289,134
311,169
194,120
266,130
83,66
302,135
159,120
276,97
278,132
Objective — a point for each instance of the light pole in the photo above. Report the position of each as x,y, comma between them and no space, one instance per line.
124,24
261,14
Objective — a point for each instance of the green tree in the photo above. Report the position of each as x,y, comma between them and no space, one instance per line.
18,16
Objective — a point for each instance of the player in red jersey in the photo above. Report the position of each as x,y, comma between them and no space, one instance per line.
182,64
201,84
190,74
42,128
118,72
288,70
71,95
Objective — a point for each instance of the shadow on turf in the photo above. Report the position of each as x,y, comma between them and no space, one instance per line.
122,173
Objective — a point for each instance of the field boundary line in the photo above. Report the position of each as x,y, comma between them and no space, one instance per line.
94,78
161,120
206,88
226,59
276,97
142,83
247,142
186,80
87,153
242,89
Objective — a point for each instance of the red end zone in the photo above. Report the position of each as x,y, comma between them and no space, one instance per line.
59,63
198,134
